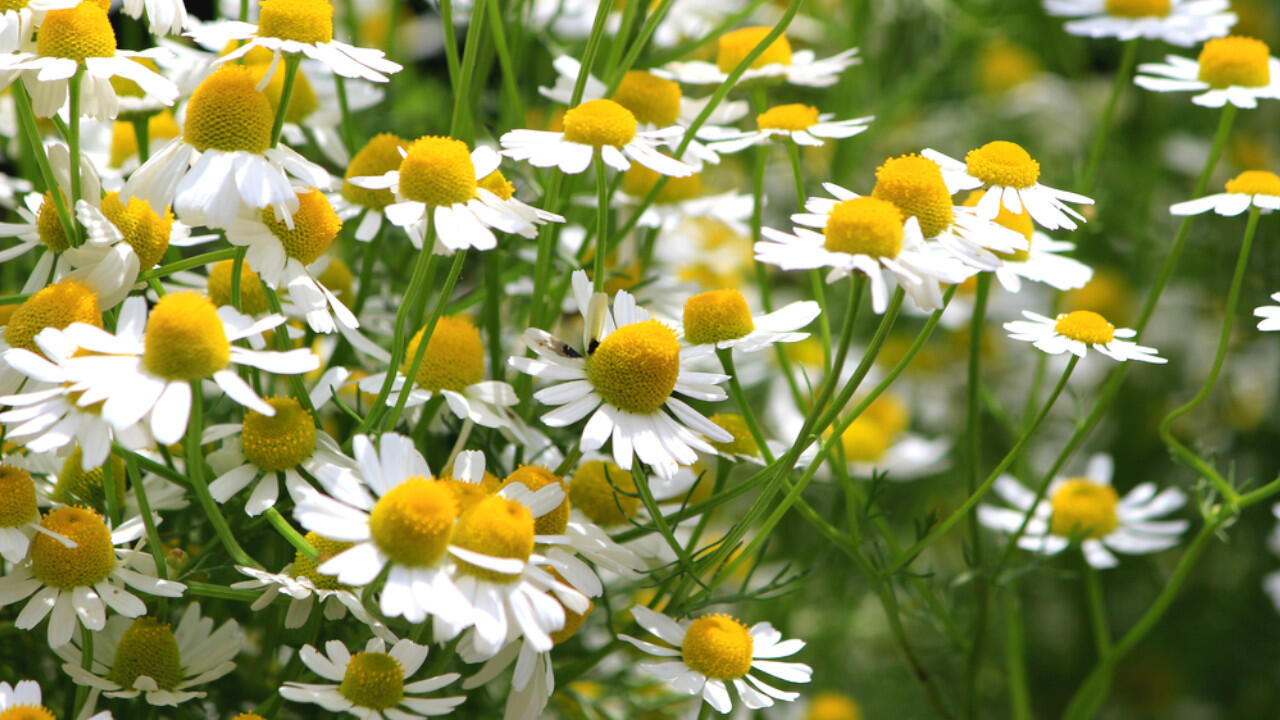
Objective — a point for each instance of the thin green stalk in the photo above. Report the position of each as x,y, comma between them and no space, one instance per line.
73,141
602,222
281,337
816,284
492,313
113,493
142,135
195,472
1015,654
144,508
403,330
291,62
451,60
660,521
31,131
509,78
461,91
1123,73
589,53
368,259
973,459
620,38
744,407
188,263
421,352
287,531
1097,607
237,278
637,46
346,125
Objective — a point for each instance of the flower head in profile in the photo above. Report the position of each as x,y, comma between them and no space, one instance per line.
1043,261
1234,69
19,513
1250,189
1177,22
801,124
24,700
374,683
1078,331
776,62
721,319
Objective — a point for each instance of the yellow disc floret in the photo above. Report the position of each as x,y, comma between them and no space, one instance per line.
639,180
599,123
185,338
248,716
592,491
227,112
1235,60
17,497
49,226
735,46
865,440
281,441
914,183
83,31
305,21
716,315
1255,182
1138,8
145,231
743,442
84,565
147,648
865,226
635,368
496,527
1003,66
438,171
412,523
1086,326
253,296
788,117
302,101
653,100
536,477
305,567
1004,164
1018,222
27,712
889,412
56,306
1083,508
315,225
454,359
718,646
124,139
373,680
498,184
379,156
833,706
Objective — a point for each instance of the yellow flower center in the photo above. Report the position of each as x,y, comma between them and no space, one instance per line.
454,359
592,491
1003,66
306,21
83,31
411,523
599,123
865,226
468,493
248,716
337,276
17,497
145,231
1138,8
226,112
742,443
438,171
379,156
1086,326
718,646
1018,222
497,183
536,477
735,46
1255,182
147,648
75,485
315,225
185,338
8,5
49,226
1003,163
635,367
373,680
639,180
305,567
915,185
253,297
302,101
496,527
716,315
56,306
27,712
124,142
833,706
889,412
651,99
865,440
1083,508
86,564
788,117
282,441
1235,60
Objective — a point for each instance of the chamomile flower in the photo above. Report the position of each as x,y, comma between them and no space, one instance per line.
148,658
1010,177
372,684
1042,261
802,124
18,23
164,17
703,656
57,306
777,62
1177,22
879,442
721,319
24,700
381,155
629,373
1270,315
1078,331
74,572
1088,510
1250,189
1236,70
19,512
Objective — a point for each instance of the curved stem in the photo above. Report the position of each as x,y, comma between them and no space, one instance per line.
1123,72
973,458
1097,607
421,352
195,472
291,62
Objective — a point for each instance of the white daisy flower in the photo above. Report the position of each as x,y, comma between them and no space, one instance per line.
1250,189
164,17
75,572
1177,22
372,684
379,156
1077,331
1042,261
1088,510
802,124
776,62
1236,70
624,378
25,698
19,23
1270,315
708,653
721,319
146,657
54,307
19,513
1010,177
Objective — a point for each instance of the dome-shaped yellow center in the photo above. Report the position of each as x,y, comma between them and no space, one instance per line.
592,491
915,185
1235,60
498,184
865,226
1255,182
599,123
791,117
833,706
718,646
185,338
1086,326
454,359
124,141
27,712
653,100
49,226
306,21
305,567
1138,8
411,524
17,497
735,46
77,486
865,440
438,171
716,315
86,564
1004,164
147,648
253,296
379,156
56,306
636,366
639,180
302,101
373,680
83,31
282,441
536,477
226,112
145,231
496,527
1018,222
743,443
1083,508
315,225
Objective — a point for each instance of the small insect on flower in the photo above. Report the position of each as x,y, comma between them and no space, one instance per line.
776,62
1177,22
1077,331
374,683
1250,189
1236,70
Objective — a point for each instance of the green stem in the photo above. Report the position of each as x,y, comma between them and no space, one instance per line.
73,140
346,126
602,222
195,472
281,337
188,263
493,313
31,131
287,531
421,351
740,399
403,329
973,458
368,259
1015,656
1123,73
461,94
450,44
589,54
637,46
144,509
509,81
237,278
291,62
142,135
1097,607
